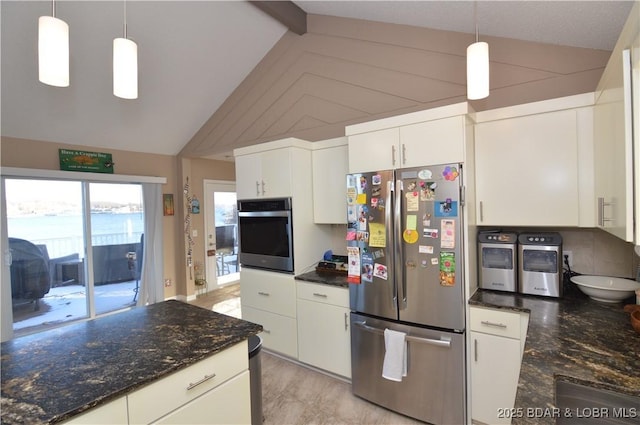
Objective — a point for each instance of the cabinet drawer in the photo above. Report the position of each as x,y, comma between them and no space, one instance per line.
280,333
495,322
273,292
327,294
229,403
167,394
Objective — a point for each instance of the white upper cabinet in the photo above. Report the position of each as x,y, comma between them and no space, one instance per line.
434,136
330,167
270,170
614,144
375,150
264,174
527,167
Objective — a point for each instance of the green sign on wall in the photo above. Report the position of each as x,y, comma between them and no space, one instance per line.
94,162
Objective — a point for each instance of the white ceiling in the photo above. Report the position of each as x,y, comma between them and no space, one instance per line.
192,55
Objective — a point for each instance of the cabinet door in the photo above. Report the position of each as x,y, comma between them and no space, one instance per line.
248,176
613,152
527,171
432,142
279,332
374,151
276,173
230,403
495,369
330,167
324,337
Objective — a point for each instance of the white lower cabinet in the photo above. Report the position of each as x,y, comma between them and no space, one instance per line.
215,390
279,332
324,337
114,412
497,342
269,299
225,404
166,400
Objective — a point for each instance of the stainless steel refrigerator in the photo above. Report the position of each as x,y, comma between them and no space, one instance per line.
404,246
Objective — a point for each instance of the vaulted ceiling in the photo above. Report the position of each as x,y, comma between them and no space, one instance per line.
219,75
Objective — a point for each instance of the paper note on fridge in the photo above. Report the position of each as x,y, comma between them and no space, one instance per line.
377,235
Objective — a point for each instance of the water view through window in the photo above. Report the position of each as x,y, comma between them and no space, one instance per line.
49,229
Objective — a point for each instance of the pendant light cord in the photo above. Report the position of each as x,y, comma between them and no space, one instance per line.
475,17
125,18
53,8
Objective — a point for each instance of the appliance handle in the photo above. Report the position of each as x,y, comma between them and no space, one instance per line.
387,224
264,213
397,248
409,338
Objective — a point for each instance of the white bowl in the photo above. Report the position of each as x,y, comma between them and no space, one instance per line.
605,288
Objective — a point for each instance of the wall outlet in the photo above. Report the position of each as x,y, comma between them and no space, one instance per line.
167,282
569,256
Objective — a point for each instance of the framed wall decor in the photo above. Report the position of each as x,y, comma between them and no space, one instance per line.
167,204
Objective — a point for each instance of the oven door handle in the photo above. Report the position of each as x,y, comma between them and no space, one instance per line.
264,214
409,338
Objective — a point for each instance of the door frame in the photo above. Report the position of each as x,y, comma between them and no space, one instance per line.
209,187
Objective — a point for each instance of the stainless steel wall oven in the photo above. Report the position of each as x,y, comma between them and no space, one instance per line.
265,234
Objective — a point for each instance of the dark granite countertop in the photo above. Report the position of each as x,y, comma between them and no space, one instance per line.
572,338
324,278
53,375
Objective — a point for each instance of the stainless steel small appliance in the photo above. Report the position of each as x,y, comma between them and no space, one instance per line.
497,261
540,259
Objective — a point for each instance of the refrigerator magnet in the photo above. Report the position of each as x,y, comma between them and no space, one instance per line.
430,233
380,271
448,231
446,208
425,174
450,173
353,270
367,267
412,201
447,268
376,179
410,236
428,191
352,194
377,235
425,249
363,184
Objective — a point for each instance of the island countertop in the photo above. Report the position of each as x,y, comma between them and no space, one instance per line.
574,339
54,375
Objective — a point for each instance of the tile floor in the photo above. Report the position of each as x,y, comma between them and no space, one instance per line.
295,395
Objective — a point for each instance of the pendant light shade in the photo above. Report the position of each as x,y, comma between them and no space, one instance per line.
478,71
53,51
125,68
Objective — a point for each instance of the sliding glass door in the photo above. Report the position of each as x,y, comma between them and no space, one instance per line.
76,249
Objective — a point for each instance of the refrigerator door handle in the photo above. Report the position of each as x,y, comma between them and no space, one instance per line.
387,224
439,342
397,248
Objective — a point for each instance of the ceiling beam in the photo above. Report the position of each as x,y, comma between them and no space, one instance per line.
287,12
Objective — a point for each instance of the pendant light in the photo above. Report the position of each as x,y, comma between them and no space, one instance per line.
53,50
125,65
477,66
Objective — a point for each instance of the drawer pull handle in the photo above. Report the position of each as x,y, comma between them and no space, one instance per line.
202,381
315,294
497,325
266,294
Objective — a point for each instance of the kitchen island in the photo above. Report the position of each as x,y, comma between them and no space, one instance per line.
55,375
574,339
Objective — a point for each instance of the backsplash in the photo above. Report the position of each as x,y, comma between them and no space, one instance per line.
594,251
